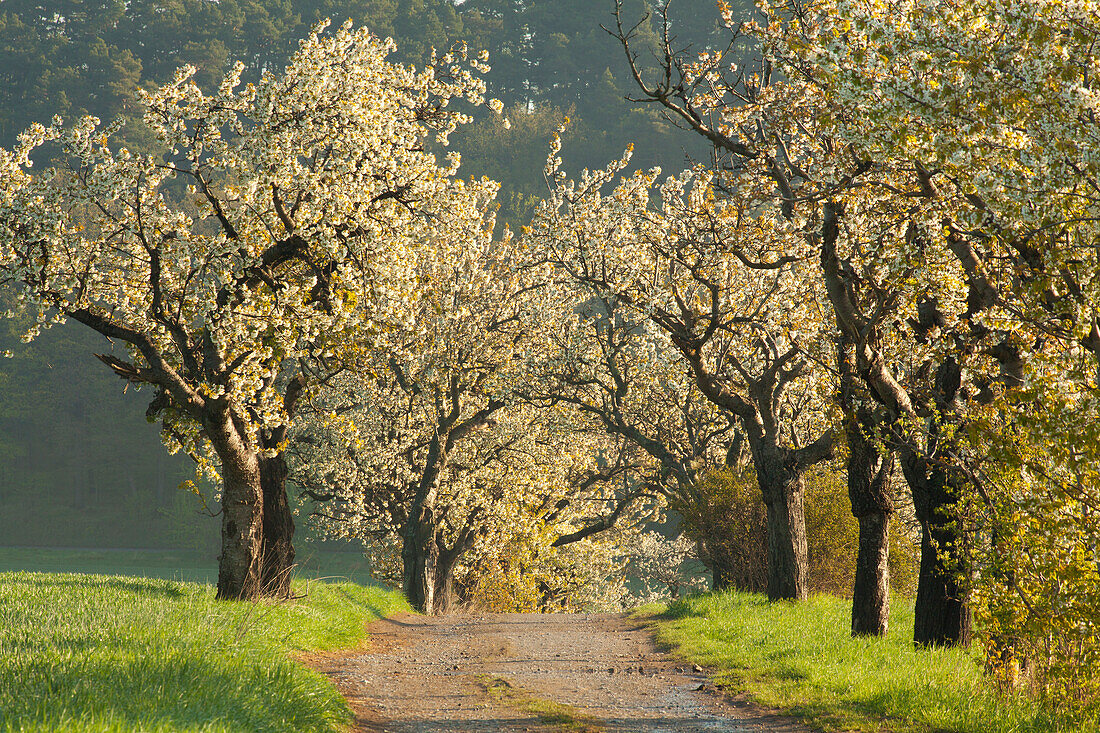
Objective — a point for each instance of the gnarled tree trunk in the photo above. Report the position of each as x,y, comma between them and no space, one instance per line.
787,550
870,469
428,568
242,517
278,520
942,616
420,550
870,464
242,511
871,588
278,529
783,492
420,564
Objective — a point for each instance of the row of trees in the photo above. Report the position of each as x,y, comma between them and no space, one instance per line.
892,256
297,248
235,270
923,184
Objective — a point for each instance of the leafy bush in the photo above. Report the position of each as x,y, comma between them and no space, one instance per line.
1036,546
726,517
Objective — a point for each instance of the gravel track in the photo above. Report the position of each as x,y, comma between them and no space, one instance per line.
428,674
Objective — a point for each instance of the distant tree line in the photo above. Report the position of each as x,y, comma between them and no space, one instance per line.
76,57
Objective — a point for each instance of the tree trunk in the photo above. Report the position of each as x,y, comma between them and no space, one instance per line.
239,562
719,578
871,494
278,521
787,554
418,564
428,564
241,529
942,615
278,529
870,468
871,590
427,570
787,548
242,514
444,588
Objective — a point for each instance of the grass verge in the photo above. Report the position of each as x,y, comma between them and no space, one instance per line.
801,658
559,717
101,653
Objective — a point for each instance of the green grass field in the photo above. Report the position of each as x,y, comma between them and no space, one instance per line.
173,564
109,653
801,658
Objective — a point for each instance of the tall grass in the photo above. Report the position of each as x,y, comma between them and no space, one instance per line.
801,658
102,653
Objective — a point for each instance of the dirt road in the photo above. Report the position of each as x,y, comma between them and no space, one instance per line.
530,672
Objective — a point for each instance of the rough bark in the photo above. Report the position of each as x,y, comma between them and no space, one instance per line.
278,529
870,469
420,551
868,474
239,562
942,615
427,563
871,589
242,512
428,569
783,491
444,590
419,560
787,553
278,520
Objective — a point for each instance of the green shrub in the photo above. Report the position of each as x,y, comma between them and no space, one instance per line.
725,515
